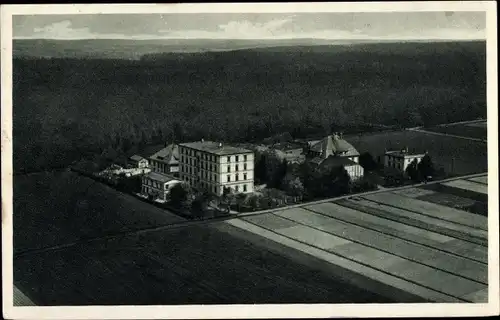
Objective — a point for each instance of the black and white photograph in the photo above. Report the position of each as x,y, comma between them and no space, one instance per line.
221,160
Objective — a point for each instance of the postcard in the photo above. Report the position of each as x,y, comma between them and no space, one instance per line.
266,160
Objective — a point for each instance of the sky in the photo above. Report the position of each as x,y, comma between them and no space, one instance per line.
334,26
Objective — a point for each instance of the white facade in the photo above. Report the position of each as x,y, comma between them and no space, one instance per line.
400,160
143,163
158,185
204,167
166,161
355,171
163,167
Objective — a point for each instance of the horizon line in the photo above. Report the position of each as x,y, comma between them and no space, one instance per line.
256,39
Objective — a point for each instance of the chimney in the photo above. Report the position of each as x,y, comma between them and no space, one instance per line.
341,135
220,144
202,140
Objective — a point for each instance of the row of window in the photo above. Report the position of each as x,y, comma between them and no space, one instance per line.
213,187
192,153
213,168
152,183
204,165
395,164
237,158
160,167
149,191
236,177
213,177
237,167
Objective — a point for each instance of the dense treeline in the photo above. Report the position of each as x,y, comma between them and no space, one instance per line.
66,108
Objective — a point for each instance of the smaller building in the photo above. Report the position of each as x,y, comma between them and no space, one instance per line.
354,170
291,152
158,185
166,160
332,145
401,159
137,161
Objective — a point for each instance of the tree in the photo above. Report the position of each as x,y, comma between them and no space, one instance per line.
178,195
200,203
412,170
293,185
343,181
261,169
363,185
240,199
426,167
280,174
253,201
367,162
272,167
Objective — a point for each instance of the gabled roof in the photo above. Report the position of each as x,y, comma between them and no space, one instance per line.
169,154
333,144
216,148
156,176
136,157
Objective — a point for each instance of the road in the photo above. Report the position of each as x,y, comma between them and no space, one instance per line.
446,135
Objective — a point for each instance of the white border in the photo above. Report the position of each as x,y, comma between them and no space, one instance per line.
249,311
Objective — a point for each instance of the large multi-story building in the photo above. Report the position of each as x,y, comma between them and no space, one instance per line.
216,167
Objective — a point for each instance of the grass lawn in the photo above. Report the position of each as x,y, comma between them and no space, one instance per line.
474,130
466,157
57,208
189,265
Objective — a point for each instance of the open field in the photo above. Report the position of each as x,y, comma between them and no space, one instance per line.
57,208
473,189
483,180
456,156
454,201
474,130
192,265
468,186
438,255
407,250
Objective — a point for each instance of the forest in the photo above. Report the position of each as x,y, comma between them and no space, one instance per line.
65,109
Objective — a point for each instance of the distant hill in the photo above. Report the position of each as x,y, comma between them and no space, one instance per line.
134,49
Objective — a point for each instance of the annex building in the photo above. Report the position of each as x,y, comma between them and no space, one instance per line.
158,185
333,151
332,145
166,160
401,159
